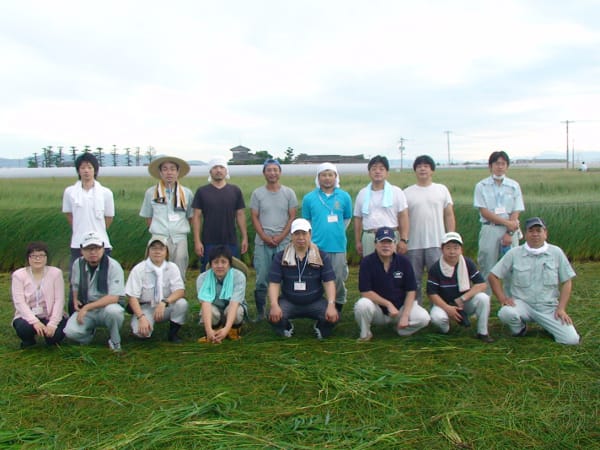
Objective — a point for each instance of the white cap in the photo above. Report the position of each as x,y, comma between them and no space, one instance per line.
300,225
328,166
452,236
157,238
91,238
218,161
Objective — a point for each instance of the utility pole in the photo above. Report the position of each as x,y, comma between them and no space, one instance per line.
448,141
401,148
567,122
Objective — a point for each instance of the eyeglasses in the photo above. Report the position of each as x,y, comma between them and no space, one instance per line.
37,256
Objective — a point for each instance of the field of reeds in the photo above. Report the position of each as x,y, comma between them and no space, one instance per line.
425,391
567,200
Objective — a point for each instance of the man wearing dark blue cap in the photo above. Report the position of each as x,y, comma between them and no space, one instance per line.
387,286
272,208
540,281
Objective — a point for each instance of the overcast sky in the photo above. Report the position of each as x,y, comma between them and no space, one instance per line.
196,78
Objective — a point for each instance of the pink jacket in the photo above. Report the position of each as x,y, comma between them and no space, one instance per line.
23,294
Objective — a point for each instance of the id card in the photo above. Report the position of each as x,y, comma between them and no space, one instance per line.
173,217
332,218
37,310
299,285
500,210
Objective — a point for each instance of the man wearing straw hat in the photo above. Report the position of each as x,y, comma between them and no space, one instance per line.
218,206
167,207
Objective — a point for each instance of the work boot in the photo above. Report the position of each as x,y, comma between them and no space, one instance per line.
173,330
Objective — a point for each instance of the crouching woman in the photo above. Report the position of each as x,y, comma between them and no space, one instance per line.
222,295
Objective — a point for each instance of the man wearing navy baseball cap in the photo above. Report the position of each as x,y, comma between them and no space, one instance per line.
540,280
387,286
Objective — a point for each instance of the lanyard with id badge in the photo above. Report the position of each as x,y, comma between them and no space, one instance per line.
300,286
332,217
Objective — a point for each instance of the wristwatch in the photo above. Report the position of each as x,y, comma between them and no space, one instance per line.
404,240
165,302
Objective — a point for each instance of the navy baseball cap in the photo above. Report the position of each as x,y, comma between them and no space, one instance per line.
385,233
532,222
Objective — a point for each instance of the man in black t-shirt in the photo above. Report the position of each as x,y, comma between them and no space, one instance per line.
218,206
457,289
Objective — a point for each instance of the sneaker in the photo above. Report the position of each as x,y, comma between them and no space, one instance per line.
234,334
27,344
289,332
318,332
114,346
521,333
465,322
367,338
485,338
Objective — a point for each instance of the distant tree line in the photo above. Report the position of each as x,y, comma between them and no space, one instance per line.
65,157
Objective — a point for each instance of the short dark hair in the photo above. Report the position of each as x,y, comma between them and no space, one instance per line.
495,156
36,246
379,159
90,158
220,251
424,159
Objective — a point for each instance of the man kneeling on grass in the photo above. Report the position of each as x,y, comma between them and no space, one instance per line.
155,290
540,286
456,289
98,283
302,285
222,294
387,284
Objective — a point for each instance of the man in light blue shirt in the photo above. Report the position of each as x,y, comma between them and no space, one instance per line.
540,281
167,207
500,202
329,210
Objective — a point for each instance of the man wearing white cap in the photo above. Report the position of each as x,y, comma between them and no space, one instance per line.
302,285
273,208
98,283
380,204
329,211
541,282
218,206
156,290
456,289
167,207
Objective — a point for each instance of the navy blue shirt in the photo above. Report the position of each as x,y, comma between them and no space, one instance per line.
391,285
447,287
312,276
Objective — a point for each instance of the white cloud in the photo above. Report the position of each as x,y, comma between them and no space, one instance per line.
349,77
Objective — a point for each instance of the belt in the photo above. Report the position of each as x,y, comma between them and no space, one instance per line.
375,230
493,224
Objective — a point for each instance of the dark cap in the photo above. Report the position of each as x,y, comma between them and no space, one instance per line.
385,233
532,222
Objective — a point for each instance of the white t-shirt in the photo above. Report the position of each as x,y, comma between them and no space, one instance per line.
426,206
378,215
89,208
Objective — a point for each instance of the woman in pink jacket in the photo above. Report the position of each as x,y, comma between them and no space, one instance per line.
38,293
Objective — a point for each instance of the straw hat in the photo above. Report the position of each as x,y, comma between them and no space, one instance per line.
154,166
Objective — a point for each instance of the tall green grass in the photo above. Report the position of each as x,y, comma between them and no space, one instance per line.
425,391
568,201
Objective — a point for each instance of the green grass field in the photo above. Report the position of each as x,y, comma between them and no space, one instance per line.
425,391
